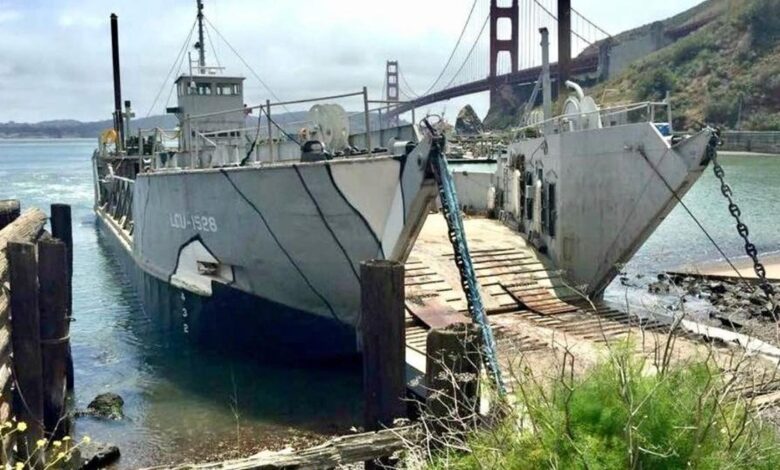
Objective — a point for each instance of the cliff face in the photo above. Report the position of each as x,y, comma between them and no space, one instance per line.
723,69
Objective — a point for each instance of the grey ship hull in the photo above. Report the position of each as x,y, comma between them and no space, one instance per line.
273,251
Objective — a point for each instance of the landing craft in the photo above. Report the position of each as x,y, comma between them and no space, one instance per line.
248,236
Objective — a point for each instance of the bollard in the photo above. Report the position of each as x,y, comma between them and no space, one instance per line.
55,325
62,229
452,371
384,343
25,337
10,210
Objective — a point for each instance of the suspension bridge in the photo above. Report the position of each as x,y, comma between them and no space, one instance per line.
499,45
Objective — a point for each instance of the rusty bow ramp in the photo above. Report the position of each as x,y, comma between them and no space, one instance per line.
534,314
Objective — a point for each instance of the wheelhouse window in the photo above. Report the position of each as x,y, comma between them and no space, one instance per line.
200,89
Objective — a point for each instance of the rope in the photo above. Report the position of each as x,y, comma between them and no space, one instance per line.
214,49
246,64
179,58
690,213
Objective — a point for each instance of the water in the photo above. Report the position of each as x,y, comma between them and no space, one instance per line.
679,242
182,403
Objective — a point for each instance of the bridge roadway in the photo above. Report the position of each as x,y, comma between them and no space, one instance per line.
581,65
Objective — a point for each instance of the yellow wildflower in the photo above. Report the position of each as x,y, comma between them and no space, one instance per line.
60,455
86,440
56,443
19,466
21,426
66,438
40,443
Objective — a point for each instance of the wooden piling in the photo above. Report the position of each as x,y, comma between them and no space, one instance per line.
382,325
55,321
384,345
25,327
452,371
10,210
62,229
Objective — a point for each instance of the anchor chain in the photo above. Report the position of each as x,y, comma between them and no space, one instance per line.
736,212
457,236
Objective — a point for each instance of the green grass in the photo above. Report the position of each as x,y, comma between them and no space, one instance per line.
622,414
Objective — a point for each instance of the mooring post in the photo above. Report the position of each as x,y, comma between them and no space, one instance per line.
452,371
62,229
384,343
53,304
25,338
382,325
10,210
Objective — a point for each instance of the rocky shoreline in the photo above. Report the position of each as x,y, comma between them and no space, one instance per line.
739,306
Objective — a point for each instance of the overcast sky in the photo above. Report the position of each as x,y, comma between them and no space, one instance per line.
55,58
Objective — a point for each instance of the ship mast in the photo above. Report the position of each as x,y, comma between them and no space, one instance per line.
201,45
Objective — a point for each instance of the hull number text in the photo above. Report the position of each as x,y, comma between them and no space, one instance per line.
201,223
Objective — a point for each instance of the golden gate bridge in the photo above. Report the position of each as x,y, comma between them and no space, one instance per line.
499,45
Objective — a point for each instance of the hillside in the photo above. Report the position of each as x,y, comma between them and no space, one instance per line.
724,69
66,128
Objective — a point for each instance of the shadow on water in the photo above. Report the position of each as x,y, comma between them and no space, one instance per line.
181,401
188,396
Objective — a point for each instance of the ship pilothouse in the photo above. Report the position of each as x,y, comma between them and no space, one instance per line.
210,113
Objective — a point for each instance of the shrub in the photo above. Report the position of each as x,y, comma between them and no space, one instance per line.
654,84
625,413
722,110
763,19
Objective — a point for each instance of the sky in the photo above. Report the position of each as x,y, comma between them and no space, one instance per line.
55,55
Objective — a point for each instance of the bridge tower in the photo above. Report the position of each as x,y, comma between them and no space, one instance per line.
511,45
392,94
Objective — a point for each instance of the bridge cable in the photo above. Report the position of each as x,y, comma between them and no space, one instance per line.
454,49
555,17
471,51
590,22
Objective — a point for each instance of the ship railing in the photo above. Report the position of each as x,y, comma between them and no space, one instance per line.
273,141
619,115
116,198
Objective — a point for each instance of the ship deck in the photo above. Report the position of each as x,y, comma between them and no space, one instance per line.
536,318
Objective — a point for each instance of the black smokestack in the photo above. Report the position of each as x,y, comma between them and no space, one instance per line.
118,120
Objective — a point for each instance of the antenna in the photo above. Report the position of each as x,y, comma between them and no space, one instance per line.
201,45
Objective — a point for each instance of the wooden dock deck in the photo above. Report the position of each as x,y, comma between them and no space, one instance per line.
534,314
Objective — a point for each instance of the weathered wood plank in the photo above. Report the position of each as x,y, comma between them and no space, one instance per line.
339,451
24,229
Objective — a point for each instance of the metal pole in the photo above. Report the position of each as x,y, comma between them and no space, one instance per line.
270,137
368,120
201,43
564,43
546,90
118,121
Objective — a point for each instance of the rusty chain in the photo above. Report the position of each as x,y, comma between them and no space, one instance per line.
736,212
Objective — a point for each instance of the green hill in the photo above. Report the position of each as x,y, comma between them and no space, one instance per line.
724,69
